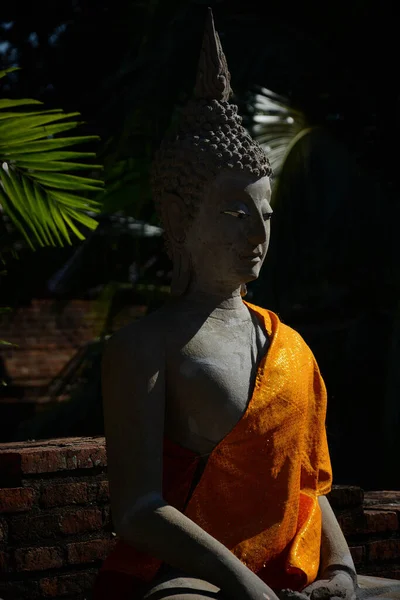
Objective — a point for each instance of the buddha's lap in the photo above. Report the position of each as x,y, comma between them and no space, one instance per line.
173,584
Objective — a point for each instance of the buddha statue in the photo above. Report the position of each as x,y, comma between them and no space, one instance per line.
214,409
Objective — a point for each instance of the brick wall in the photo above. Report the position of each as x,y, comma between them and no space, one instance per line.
54,518
371,523
55,525
46,335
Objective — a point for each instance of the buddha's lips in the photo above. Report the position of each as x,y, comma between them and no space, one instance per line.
252,257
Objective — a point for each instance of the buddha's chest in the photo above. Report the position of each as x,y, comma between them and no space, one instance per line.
210,380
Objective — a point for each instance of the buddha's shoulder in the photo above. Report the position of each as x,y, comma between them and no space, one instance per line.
286,334
293,341
291,334
143,338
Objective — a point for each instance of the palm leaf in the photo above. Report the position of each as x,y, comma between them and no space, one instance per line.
9,70
16,115
11,126
38,165
31,136
14,216
38,191
54,155
276,126
45,145
8,103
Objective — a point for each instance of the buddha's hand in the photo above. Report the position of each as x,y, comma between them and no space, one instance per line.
333,584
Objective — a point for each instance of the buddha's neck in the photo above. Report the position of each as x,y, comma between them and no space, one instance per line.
213,301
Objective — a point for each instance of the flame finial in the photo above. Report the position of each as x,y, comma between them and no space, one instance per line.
213,77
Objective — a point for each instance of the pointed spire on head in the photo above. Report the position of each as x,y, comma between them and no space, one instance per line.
213,77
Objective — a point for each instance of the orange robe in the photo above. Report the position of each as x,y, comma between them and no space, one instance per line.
258,494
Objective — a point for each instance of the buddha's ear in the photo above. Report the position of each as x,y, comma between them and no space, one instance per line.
174,212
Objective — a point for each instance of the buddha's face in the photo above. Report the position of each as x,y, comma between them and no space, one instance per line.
228,239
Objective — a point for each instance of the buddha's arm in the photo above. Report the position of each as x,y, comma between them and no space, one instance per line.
335,552
133,392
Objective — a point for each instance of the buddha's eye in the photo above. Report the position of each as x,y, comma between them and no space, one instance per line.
239,214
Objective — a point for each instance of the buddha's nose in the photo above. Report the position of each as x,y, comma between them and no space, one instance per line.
257,232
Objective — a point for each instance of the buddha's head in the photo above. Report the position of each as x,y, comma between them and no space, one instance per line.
211,184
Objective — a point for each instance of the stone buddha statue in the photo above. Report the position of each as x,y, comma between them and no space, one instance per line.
214,409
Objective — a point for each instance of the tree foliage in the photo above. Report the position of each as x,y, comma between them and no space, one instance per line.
39,190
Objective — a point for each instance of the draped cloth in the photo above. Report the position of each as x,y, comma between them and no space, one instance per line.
258,493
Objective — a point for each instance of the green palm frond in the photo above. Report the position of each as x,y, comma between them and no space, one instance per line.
38,190
276,126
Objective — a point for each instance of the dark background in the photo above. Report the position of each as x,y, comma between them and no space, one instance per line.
333,269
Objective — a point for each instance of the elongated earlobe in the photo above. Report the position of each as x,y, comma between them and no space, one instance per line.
175,219
174,213
182,274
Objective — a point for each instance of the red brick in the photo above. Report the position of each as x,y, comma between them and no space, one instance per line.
384,550
16,499
103,492
377,521
390,506
80,521
87,458
352,522
38,559
345,496
64,493
49,587
52,456
382,497
3,531
71,584
34,528
90,551
369,521
358,554
17,463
